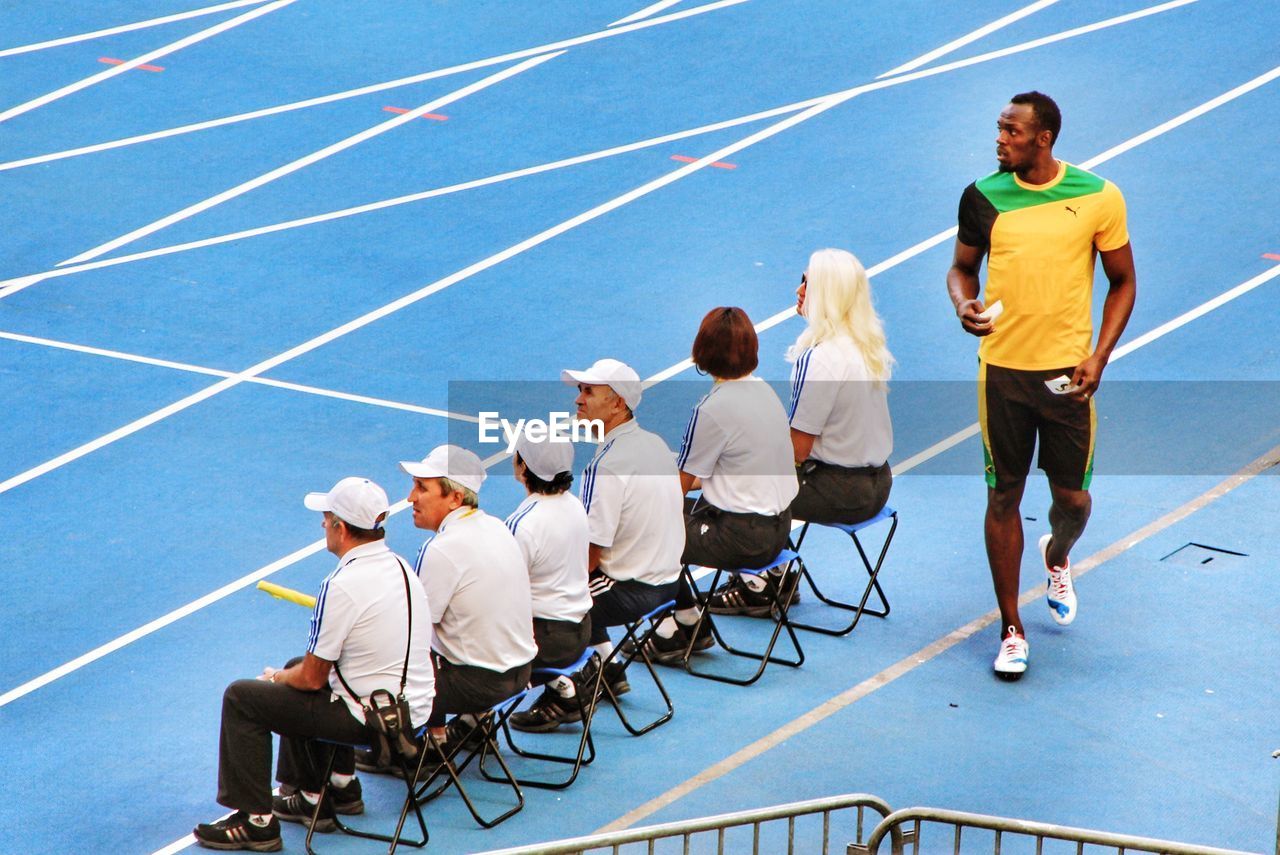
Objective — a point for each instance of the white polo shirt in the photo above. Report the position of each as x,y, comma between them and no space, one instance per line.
552,534
635,510
739,444
834,398
478,588
360,621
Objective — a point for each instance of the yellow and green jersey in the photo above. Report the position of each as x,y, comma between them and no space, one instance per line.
1041,241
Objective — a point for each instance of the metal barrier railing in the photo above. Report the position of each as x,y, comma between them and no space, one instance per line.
799,836
904,828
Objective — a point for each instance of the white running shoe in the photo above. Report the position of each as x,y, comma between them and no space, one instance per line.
1012,659
1060,593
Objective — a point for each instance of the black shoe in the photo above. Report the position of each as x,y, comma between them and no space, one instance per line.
466,731
737,598
548,712
295,808
671,651
615,675
790,583
348,800
237,832
367,761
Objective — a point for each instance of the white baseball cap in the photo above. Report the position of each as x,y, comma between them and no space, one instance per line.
545,458
618,376
355,501
460,466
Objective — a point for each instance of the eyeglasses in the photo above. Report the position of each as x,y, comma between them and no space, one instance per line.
804,280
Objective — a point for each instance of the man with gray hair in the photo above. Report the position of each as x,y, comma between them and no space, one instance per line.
477,587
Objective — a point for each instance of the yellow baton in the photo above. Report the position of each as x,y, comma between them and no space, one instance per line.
280,592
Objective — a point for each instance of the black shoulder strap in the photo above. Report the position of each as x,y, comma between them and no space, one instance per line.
408,643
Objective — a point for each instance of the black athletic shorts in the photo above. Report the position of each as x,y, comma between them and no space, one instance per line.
1014,409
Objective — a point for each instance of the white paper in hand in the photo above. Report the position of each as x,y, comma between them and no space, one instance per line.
993,311
1061,385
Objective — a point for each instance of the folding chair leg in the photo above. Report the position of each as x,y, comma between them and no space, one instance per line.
670,710
873,584
782,622
487,726
395,839
585,756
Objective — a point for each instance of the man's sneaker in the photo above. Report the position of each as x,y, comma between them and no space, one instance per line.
737,598
295,808
1060,593
670,651
615,675
466,730
347,800
367,761
548,712
237,832
790,582
1012,659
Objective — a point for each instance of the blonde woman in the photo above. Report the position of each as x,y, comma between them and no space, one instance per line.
839,410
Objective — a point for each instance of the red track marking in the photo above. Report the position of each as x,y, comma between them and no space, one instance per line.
1271,255
110,60
718,164
437,117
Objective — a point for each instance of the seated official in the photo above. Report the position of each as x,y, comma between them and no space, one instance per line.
631,492
737,447
478,588
360,629
551,528
840,428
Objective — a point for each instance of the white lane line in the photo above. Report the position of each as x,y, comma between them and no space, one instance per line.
217,372
376,87
12,286
646,12
160,622
16,284
931,651
125,28
142,60
969,38
314,157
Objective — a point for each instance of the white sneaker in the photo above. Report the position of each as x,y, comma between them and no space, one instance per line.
1060,593
1012,659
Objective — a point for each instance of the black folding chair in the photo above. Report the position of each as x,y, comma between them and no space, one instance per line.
872,570
781,603
410,770
586,701
478,742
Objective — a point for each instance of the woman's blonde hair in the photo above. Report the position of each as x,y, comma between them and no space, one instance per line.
837,303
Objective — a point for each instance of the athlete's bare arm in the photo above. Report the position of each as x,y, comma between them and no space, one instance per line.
1123,279
963,287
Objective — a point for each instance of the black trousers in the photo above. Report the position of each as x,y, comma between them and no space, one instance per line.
733,541
560,642
622,602
252,710
471,689
841,494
